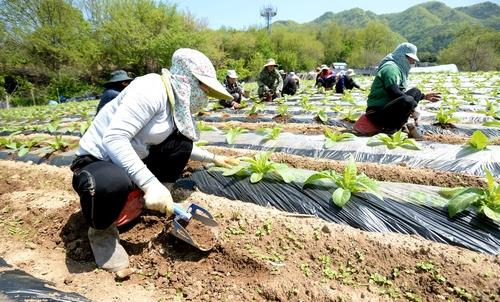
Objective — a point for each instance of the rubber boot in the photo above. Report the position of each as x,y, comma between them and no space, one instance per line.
109,254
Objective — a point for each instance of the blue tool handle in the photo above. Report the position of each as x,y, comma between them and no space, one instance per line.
179,212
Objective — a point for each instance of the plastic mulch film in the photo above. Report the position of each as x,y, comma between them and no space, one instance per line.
406,210
444,157
17,285
459,129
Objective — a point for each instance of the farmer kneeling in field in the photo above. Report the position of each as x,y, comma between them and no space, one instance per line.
233,88
345,81
389,103
142,138
270,82
292,83
118,81
325,78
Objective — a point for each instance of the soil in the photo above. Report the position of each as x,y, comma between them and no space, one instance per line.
281,119
201,234
445,125
394,173
261,255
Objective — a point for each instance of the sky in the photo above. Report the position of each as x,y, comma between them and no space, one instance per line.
240,14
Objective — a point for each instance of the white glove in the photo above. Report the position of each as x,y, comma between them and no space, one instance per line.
157,197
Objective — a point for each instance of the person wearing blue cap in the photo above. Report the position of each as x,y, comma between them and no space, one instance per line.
118,81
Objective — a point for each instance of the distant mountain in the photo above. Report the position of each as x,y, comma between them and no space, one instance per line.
487,13
355,17
431,25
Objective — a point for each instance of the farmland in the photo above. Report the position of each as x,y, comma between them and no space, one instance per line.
312,212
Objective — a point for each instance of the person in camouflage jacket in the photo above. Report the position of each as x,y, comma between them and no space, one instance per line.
270,82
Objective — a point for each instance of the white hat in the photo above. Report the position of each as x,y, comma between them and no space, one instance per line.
411,51
232,74
323,67
270,62
350,72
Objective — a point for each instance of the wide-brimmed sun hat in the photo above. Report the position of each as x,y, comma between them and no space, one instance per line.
119,76
270,62
324,67
232,74
189,68
350,72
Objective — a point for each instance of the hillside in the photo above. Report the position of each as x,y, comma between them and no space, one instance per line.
431,25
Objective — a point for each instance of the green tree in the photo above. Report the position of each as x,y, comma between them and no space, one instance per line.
475,49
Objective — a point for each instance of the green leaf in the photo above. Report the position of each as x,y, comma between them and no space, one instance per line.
341,196
256,177
491,181
23,151
369,185
451,192
491,214
284,171
478,140
377,140
410,144
317,176
461,202
233,170
492,124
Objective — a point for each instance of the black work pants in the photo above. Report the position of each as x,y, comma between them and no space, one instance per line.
103,187
394,114
290,88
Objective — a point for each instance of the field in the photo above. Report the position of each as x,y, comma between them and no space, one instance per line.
312,213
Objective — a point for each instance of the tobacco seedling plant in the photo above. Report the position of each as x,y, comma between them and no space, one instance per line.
233,133
478,140
270,134
331,138
348,182
350,115
444,117
282,110
486,201
322,116
202,126
256,107
398,139
259,166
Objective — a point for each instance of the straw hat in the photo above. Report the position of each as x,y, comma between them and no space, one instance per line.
350,72
270,62
323,67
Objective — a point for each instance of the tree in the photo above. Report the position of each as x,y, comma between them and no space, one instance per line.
477,48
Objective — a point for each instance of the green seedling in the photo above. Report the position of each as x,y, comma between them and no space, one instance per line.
52,127
217,106
282,110
202,126
412,297
331,138
379,279
259,166
265,229
492,124
478,140
350,115
84,126
486,201
233,132
398,139
322,116
348,97
270,134
337,108
425,266
462,293
256,107
201,143
348,182
304,268
444,117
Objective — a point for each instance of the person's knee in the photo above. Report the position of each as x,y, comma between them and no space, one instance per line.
408,102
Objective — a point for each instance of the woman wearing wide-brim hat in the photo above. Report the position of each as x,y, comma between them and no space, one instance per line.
119,79
269,81
140,139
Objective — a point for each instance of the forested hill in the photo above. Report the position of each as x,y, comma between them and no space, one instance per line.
431,25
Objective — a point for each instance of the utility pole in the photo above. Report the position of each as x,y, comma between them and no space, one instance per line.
268,12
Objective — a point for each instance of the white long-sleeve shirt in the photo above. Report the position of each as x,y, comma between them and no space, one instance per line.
123,130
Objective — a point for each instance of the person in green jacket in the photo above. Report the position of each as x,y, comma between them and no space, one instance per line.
270,82
389,103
